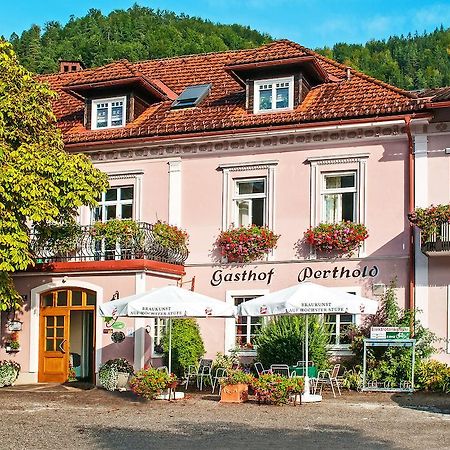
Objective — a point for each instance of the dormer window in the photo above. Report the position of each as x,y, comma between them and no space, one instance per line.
108,113
274,95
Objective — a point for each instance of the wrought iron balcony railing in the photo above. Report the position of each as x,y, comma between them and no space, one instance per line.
84,245
438,243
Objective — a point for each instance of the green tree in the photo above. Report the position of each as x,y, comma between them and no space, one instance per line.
39,182
187,345
282,340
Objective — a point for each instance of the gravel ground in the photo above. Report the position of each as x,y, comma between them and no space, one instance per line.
55,416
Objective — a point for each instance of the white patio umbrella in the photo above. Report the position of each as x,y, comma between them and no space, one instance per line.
167,302
307,298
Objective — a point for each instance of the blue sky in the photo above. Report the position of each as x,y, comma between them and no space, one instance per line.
313,23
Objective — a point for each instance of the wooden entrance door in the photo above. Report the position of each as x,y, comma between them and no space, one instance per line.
54,331
54,342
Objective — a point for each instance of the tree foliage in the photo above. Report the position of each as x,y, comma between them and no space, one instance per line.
39,182
410,62
282,341
135,34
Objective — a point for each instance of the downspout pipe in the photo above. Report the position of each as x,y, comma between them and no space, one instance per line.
411,204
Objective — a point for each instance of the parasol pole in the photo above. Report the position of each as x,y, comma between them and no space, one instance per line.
170,345
307,391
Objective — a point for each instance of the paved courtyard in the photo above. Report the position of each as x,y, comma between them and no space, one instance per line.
54,416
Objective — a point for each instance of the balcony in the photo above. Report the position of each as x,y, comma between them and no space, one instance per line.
438,244
84,244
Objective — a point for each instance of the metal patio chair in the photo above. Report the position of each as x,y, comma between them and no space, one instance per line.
328,378
260,369
220,374
281,369
200,373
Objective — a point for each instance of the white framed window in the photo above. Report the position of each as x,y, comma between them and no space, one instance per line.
159,329
246,327
108,113
339,324
274,95
339,196
240,333
116,203
250,201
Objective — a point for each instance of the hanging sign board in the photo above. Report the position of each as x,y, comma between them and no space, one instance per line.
389,333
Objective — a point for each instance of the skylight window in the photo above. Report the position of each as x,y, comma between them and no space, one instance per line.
192,96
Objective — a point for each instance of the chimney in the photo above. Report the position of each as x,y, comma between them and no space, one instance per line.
348,73
70,66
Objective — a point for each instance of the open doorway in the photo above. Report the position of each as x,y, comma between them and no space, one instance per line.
81,344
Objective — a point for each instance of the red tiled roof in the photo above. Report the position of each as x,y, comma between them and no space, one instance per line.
224,109
435,94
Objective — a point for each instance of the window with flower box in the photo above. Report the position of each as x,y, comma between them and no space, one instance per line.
108,113
339,197
250,202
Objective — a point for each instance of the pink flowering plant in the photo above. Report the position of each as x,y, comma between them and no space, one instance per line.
150,382
430,219
246,244
343,237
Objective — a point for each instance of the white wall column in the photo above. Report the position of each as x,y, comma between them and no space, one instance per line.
175,192
139,327
421,201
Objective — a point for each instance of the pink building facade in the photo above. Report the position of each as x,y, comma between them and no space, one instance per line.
278,136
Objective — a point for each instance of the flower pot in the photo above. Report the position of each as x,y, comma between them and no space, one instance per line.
122,380
234,393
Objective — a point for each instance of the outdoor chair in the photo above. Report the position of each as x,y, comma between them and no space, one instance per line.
260,369
327,378
281,369
220,374
163,368
200,373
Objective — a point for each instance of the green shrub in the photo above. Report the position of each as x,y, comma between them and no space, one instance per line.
9,371
276,389
149,383
225,361
352,379
187,345
392,365
109,372
237,377
281,341
433,376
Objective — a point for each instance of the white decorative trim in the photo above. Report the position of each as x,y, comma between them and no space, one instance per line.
175,192
421,200
338,159
35,310
124,175
448,319
296,139
139,326
229,340
256,165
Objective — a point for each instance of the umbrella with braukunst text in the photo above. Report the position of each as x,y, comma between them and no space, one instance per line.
307,298
168,302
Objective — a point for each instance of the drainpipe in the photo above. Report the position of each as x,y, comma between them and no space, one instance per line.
411,202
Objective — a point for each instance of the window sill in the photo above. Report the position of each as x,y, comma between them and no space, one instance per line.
272,111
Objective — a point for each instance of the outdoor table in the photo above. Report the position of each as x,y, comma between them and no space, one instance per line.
300,372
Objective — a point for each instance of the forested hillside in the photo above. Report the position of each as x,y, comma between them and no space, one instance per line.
412,62
136,34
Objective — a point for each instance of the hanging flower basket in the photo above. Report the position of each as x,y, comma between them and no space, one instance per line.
246,244
430,219
343,238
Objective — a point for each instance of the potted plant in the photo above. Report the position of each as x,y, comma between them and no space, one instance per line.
150,382
9,371
13,344
277,390
170,236
246,244
342,238
125,232
429,220
115,374
235,387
